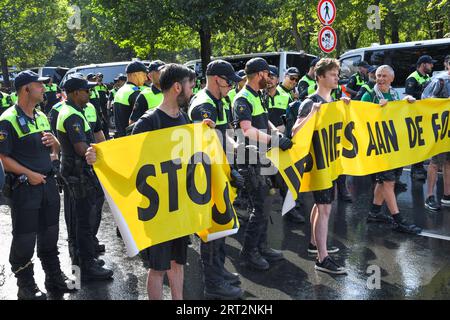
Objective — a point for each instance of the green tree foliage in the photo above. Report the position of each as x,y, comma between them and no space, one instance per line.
28,30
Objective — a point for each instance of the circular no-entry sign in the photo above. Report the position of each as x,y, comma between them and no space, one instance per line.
326,10
327,39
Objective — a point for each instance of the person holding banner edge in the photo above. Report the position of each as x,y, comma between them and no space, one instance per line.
384,189
327,77
208,104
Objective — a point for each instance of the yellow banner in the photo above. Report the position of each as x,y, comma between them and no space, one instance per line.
167,183
362,138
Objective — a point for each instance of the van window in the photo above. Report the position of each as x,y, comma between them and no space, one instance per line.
403,60
301,62
348,66
239,63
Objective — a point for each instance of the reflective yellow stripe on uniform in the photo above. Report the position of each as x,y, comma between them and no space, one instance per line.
419,78
201,98
65,112
153,100
255,101
280,101
41,122
124,93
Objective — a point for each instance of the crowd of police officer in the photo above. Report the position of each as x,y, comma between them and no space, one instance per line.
252,101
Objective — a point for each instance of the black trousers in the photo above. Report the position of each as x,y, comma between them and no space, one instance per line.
35,218
213,259
258,188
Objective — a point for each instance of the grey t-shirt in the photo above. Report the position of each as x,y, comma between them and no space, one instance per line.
306,106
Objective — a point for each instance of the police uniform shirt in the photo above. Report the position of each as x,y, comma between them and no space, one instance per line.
306,106
243,112
53,116
122,113
352,82
363,90
28,150
303,88
276,113
156,119
75,133
141,104
209,111
289,92
413,88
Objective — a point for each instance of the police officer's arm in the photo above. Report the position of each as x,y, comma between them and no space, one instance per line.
412,88
351,86
139,108
132,100
74,126
243,116
11,165
302,90
50,141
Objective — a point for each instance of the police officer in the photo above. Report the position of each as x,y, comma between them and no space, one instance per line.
51,95
93,95
26,149
308,85
252,120
119,81
290,82
368,86
277,102
414,86
5,101
75,134
102,92
358,79
126,96
208,104
150,97
13,97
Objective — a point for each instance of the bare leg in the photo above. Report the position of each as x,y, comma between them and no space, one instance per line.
176,279
378,197
389,196
320,229
312,219
155,284
431,179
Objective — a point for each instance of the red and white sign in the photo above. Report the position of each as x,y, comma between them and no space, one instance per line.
326,10
327,39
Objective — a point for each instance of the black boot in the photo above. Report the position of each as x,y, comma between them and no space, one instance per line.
58,283
91,271
31,292
231,278
270,254
295,216
222,291
253,259
28,290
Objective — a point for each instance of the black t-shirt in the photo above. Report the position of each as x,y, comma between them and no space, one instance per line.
141,105
156,119
29,150
306,106
75,133
243,112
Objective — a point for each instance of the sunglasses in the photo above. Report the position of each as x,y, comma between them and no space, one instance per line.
228,81
293,78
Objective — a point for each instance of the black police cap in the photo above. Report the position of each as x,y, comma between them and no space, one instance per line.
314,62
75,82
425,59
241,73
121,77
156,65
222,68
256,65
136,66
273,71
26,77
372,69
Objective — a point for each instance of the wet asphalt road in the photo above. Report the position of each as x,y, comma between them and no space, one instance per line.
411,267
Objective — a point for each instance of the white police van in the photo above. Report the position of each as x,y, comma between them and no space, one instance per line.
109,70
402,57
283,60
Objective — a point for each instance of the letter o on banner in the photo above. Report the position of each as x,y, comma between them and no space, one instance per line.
192,191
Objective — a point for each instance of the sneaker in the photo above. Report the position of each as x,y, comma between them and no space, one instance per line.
379,217
328,265
432,204
312,249
445,201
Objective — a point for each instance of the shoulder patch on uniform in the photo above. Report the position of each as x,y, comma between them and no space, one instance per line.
135,88
77,127
245,94
3,135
